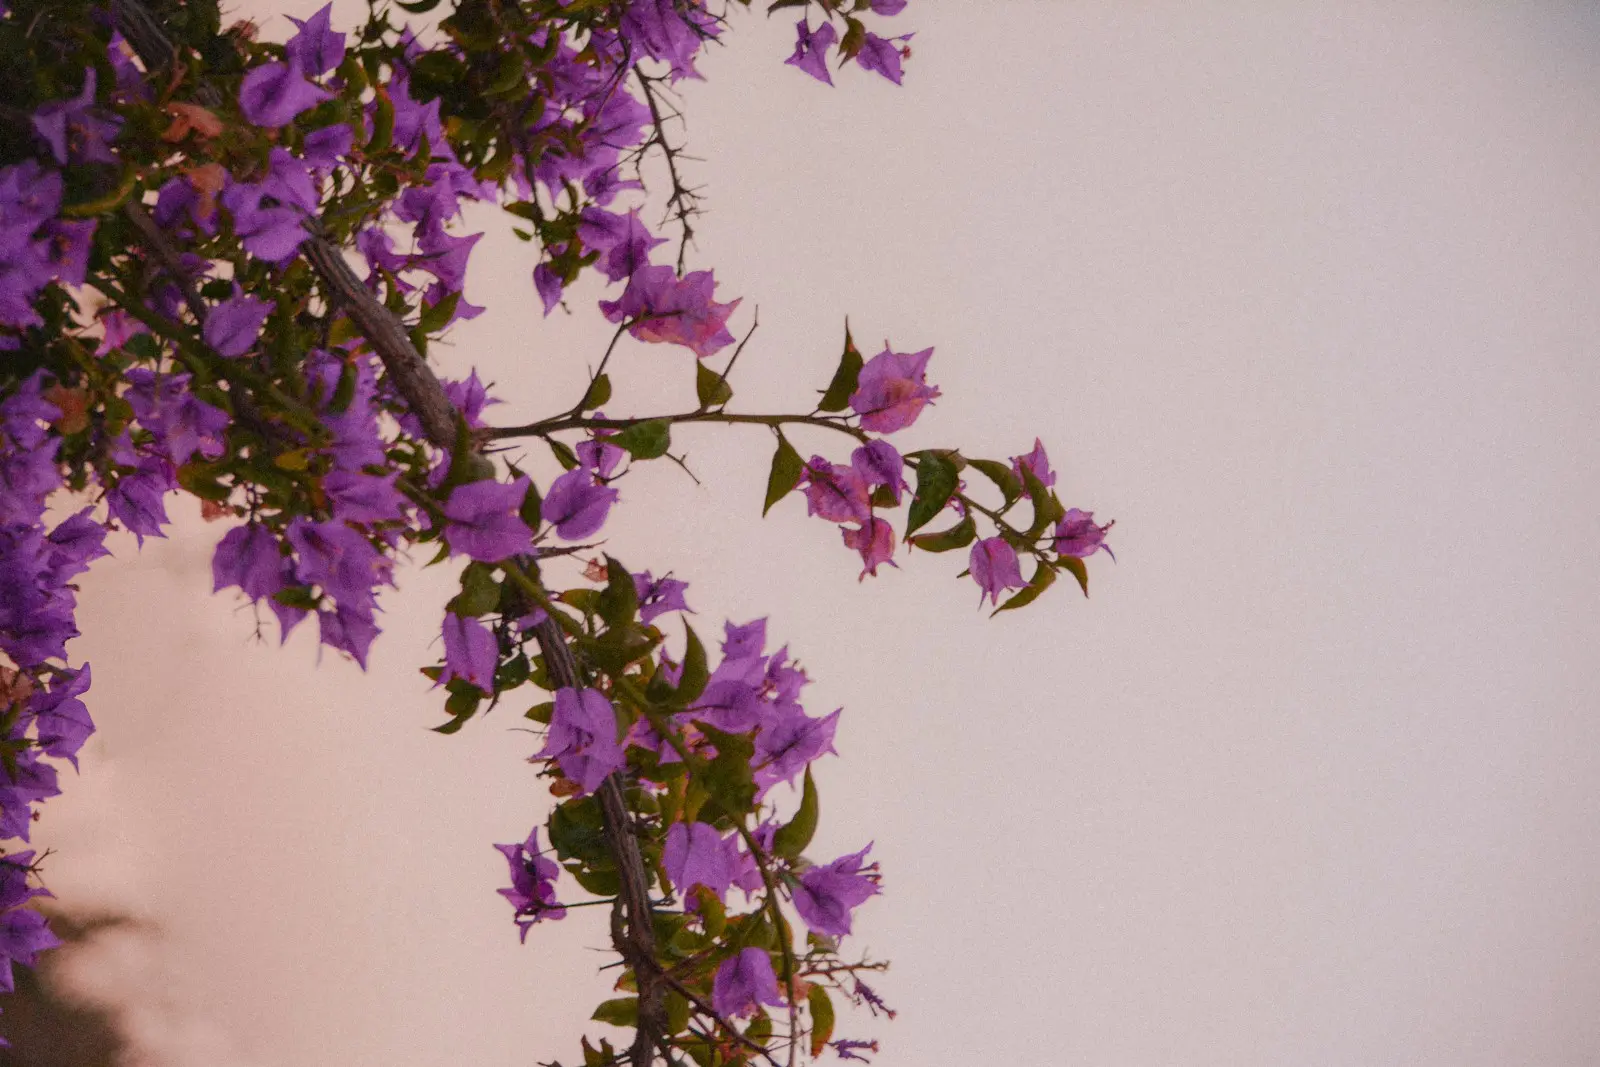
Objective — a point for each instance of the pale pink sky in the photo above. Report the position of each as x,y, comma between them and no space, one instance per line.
1301,295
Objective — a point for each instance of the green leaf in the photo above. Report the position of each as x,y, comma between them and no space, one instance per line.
1002,476
1046,508
793,837
787,466
382,124
677,1009
622,1011
960,535
1044,577
821,1008
645,440
845,378
760,1029
1077,568
599,392
417,7
437,315
695,669
936,483
564,455
728,778
712,389
480,593
619,601
600,883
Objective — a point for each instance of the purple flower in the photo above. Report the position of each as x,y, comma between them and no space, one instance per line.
548,284
850,1049
669,31
788,741
744,983
1078,535
622,239
995,568
339,559
811,50
23,933
316,48
657,596
879,463
728,704
893,390
533,883
63,722
250,557
73,134
74,543
744,642
484,523
233,326
136,499
274,93
874,542
599,455
583,737
695,854
364,497
270,232
887,7
881,56
347,630
826,895
665,308
1036,461
577,505
836,493
326,148
470,652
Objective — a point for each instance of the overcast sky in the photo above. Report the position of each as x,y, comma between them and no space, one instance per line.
1301,295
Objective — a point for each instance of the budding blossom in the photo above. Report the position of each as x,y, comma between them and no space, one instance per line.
995,568
1078,535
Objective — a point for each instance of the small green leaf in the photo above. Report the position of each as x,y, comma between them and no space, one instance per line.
564,455
480,593
622,1011
645,440
1046,508
787,466
821,1007
936,483
599,392
619,601
712,389
435,317
793,837
1076,567
960,535
382,124
1044,577
845,378
1002,476
677,1009
695,670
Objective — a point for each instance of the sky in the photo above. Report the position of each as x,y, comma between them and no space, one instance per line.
1300,295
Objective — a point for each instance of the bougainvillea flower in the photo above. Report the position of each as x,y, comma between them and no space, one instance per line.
357,497
326,148
622,240
881,55
887,7
657,596
879,463
73,134
250,557
874,542
827,894
274,93
1036,461
316,47
348,630
577,505
811,50
1078,535
338,558
599,455
790,739
533,883
995,568
892,390
63,722
233,326
744,983
583,738
836,493
696,854
666,308
483,520
470,652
